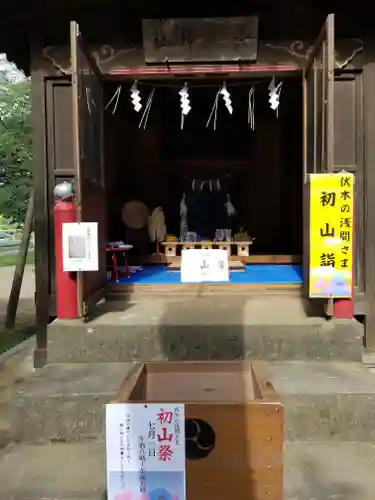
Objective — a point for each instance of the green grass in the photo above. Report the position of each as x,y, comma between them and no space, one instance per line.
11,259
11,338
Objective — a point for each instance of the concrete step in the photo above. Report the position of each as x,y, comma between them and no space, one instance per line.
72,471
5,432
15,365
323,401
202,328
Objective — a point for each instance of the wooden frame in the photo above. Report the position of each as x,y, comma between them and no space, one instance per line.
369,219
41,208
129,389
54,175
325,43
313,160
90,181
357,168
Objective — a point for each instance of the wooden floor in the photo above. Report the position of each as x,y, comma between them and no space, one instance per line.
121,290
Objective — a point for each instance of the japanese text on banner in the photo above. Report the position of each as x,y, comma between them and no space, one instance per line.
145,451
331,235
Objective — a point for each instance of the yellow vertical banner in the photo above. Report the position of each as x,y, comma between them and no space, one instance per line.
331,235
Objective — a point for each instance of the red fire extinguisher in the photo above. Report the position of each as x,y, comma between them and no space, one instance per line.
65,210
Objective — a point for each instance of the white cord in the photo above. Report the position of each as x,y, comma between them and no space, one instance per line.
116,96
251,109
214,111
146,112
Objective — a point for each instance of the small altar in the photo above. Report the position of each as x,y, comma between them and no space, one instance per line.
237,248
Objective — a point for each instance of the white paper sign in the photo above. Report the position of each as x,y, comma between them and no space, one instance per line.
199,265
80,246
145,451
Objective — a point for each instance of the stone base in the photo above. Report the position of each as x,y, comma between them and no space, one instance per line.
221,328
323,401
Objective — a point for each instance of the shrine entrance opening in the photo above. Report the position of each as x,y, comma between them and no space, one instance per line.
240,171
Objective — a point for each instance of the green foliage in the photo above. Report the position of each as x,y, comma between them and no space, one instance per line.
15,147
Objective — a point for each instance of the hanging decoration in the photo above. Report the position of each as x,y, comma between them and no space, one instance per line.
146,111
231,211
115,98
135,97
251,109
274,91
227,99
183,216
227,102
89,100
157,229
274,95
213,113
185,103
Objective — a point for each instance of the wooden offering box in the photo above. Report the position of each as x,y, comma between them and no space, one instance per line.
233,427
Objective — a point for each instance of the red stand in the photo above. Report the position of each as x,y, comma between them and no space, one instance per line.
343,308
66,282
116,273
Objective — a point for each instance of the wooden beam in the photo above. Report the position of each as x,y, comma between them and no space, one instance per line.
236,70
120,291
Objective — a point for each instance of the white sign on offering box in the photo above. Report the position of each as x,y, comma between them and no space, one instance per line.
80,246
200,265
145,451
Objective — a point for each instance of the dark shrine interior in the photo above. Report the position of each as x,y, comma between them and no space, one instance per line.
260,169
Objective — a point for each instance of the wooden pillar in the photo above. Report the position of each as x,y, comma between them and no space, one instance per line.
369,194
41,219
349,155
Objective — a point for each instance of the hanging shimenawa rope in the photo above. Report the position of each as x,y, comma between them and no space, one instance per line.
144,83
214,184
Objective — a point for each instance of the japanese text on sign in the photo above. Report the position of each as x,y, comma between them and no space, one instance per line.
204,265
145,449
80,246
331,234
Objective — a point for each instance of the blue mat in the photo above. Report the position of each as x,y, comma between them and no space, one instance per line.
265,273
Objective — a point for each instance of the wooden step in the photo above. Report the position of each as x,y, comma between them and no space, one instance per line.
120,290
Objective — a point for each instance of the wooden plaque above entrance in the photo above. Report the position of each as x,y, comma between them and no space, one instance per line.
222,39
